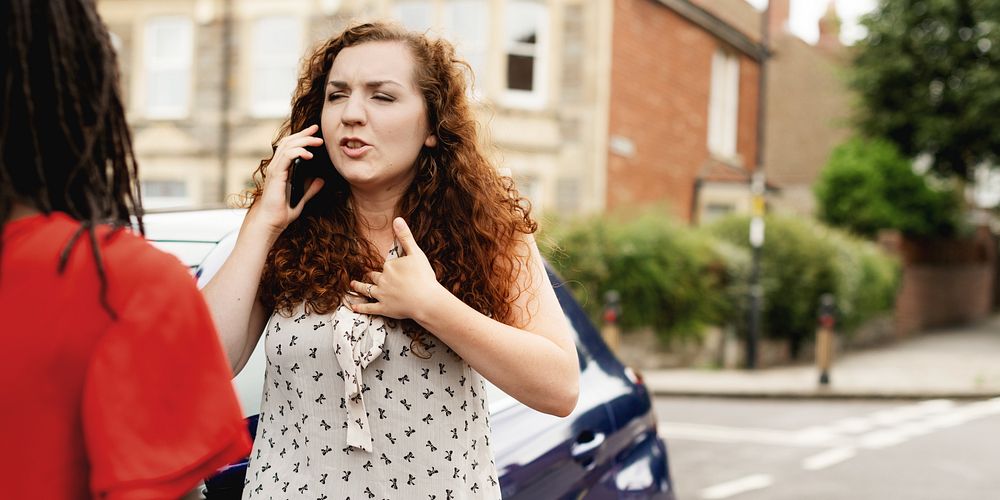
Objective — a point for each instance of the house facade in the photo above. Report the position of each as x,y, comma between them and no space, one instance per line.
683,125
593,105
208,84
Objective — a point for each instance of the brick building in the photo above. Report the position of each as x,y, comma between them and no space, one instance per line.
683,106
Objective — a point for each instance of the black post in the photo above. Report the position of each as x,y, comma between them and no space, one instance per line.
756,293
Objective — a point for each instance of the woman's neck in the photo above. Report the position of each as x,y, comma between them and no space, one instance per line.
375,216
20,211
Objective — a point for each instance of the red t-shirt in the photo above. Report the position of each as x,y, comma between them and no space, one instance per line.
138,407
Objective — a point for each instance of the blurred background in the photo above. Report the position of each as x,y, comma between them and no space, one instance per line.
784,213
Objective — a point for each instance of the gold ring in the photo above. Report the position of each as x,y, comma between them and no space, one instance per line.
370,285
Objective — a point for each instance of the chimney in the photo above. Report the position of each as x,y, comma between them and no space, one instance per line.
778,13
829,28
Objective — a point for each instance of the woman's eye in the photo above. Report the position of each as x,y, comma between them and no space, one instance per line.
384,97
335,95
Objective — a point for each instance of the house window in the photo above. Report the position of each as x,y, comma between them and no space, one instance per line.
414,15
168,53
466,24
529,186
526,42
714,211
567,195
723,104
165,194
275,55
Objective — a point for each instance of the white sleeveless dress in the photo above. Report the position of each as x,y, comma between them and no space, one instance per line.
350,412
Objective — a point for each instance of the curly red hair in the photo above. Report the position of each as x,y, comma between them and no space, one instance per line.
464,215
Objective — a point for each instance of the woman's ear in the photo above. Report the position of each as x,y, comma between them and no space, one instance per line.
431,141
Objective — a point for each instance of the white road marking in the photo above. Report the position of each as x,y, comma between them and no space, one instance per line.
828,458
735,487
723,434
852,425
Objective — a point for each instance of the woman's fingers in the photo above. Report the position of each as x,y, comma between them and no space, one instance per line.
365,289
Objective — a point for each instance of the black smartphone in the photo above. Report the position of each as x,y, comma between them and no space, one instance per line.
302,170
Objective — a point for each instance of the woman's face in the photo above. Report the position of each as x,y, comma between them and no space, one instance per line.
374,118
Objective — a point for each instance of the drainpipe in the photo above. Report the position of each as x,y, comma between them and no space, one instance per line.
226,92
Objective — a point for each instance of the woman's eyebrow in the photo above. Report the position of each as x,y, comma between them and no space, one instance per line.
340,84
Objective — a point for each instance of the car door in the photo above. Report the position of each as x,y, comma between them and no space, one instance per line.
543,456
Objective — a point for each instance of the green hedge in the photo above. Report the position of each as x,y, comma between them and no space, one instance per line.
801,260
677,279
668,276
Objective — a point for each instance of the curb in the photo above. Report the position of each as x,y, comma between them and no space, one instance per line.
831,393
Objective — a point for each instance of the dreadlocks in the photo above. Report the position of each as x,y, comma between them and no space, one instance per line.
64,140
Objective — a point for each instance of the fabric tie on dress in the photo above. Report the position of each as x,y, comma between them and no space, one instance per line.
359,339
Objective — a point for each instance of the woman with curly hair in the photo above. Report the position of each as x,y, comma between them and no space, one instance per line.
405,276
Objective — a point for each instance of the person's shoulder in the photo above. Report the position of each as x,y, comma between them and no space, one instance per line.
131,258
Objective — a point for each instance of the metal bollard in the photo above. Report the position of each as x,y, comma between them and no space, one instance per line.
827,322
612,311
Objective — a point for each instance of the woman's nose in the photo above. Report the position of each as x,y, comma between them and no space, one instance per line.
354,111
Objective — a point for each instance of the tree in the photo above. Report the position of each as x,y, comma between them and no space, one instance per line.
928,78
869,185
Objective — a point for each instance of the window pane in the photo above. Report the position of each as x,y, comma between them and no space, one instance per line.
414,15
467,26
525,34
723,104
169,42
522,22
520,72
275,64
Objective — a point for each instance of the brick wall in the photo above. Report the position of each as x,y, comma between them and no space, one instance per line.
945,282
660,81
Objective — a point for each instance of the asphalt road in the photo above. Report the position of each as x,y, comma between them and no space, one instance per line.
753,449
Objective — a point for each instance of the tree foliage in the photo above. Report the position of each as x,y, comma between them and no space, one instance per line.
928,78
868,185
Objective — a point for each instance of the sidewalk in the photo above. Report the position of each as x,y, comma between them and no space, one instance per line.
948,363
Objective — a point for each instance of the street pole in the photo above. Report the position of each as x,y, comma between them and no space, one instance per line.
756,290
757,188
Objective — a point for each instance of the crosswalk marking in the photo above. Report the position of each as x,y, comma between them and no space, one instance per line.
736,487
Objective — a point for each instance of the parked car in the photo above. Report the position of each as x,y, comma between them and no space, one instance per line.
608,448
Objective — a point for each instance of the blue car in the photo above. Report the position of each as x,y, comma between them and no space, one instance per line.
608,448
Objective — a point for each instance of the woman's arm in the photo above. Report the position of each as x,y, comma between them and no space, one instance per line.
534,361
232,296
232,293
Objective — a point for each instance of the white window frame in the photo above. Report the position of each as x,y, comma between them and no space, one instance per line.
475,50
723,105
276,55
181,43
536,97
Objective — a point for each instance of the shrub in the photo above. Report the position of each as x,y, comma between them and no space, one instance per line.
800,261
868,185
668,276
678,280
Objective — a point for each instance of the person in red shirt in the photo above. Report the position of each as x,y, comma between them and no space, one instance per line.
114,381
